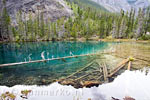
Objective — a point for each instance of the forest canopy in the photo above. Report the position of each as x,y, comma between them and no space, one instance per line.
88,20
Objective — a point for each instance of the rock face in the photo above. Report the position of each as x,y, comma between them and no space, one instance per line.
114,5
52,9
126,5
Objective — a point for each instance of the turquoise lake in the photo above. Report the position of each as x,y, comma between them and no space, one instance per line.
34,73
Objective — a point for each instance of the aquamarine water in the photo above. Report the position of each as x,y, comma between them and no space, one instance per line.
33,73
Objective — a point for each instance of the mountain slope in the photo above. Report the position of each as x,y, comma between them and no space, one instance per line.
52,9
126,5
93,4
114,5
88,3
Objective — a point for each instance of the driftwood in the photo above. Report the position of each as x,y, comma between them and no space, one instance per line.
119,66
91,80
59,58
105,72
129,65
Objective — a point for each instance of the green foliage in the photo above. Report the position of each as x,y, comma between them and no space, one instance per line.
145,37
6,17
89,20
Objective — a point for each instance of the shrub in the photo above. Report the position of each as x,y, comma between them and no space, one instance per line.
145,37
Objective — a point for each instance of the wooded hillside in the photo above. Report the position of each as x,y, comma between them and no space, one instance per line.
86,22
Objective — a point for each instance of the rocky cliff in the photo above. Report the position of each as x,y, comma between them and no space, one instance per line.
52,9
126,5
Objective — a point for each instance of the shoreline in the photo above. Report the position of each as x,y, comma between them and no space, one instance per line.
83,40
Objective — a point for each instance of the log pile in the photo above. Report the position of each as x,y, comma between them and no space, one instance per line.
93,74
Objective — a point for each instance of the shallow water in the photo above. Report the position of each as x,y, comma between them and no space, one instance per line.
35,73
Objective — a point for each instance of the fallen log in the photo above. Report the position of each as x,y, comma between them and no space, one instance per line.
129,65
45,60
105,72
119,66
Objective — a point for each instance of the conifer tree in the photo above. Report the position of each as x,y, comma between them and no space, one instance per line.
5,23
139,28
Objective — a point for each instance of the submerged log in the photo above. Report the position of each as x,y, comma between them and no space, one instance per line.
119,66
105,72
80,70
84,75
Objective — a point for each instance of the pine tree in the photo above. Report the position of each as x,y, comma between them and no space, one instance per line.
139,28
5,23
49,30
30,31
42,25
20,27
123,28
147,20
114,30
1,38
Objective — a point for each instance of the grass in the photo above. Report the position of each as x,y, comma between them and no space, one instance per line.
139,51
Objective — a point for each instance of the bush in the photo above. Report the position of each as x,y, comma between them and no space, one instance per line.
145,37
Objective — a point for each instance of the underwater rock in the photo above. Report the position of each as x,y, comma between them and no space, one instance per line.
30,80
44,82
